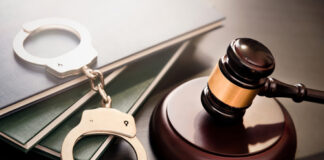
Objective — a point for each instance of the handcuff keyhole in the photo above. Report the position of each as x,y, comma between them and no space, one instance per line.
126,123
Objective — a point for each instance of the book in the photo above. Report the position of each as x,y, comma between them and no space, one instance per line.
122,32
27,127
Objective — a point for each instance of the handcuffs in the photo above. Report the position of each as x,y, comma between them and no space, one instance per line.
104,120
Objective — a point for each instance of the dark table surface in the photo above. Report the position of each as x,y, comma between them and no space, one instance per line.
293,30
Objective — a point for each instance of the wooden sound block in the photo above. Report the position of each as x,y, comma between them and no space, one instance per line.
180,128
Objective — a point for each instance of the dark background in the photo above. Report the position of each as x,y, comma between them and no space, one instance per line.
292,29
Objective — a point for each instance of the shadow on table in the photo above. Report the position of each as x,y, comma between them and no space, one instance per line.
313,157
9,152
119,150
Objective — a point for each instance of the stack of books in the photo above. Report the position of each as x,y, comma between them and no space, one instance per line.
137,43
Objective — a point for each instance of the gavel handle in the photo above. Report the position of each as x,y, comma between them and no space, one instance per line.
298,92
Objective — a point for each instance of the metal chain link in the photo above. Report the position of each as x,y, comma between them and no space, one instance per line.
94,75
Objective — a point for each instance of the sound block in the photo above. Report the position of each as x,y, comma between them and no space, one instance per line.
180,128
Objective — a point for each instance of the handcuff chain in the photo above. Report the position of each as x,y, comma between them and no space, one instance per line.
92,76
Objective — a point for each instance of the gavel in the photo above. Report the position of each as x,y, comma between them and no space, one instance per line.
208,117
242,74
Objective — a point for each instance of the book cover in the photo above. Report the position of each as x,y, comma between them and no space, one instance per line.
25,128
121,31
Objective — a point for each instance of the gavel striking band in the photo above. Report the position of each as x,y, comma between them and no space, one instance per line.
242,74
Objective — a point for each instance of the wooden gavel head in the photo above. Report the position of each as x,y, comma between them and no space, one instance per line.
237,79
